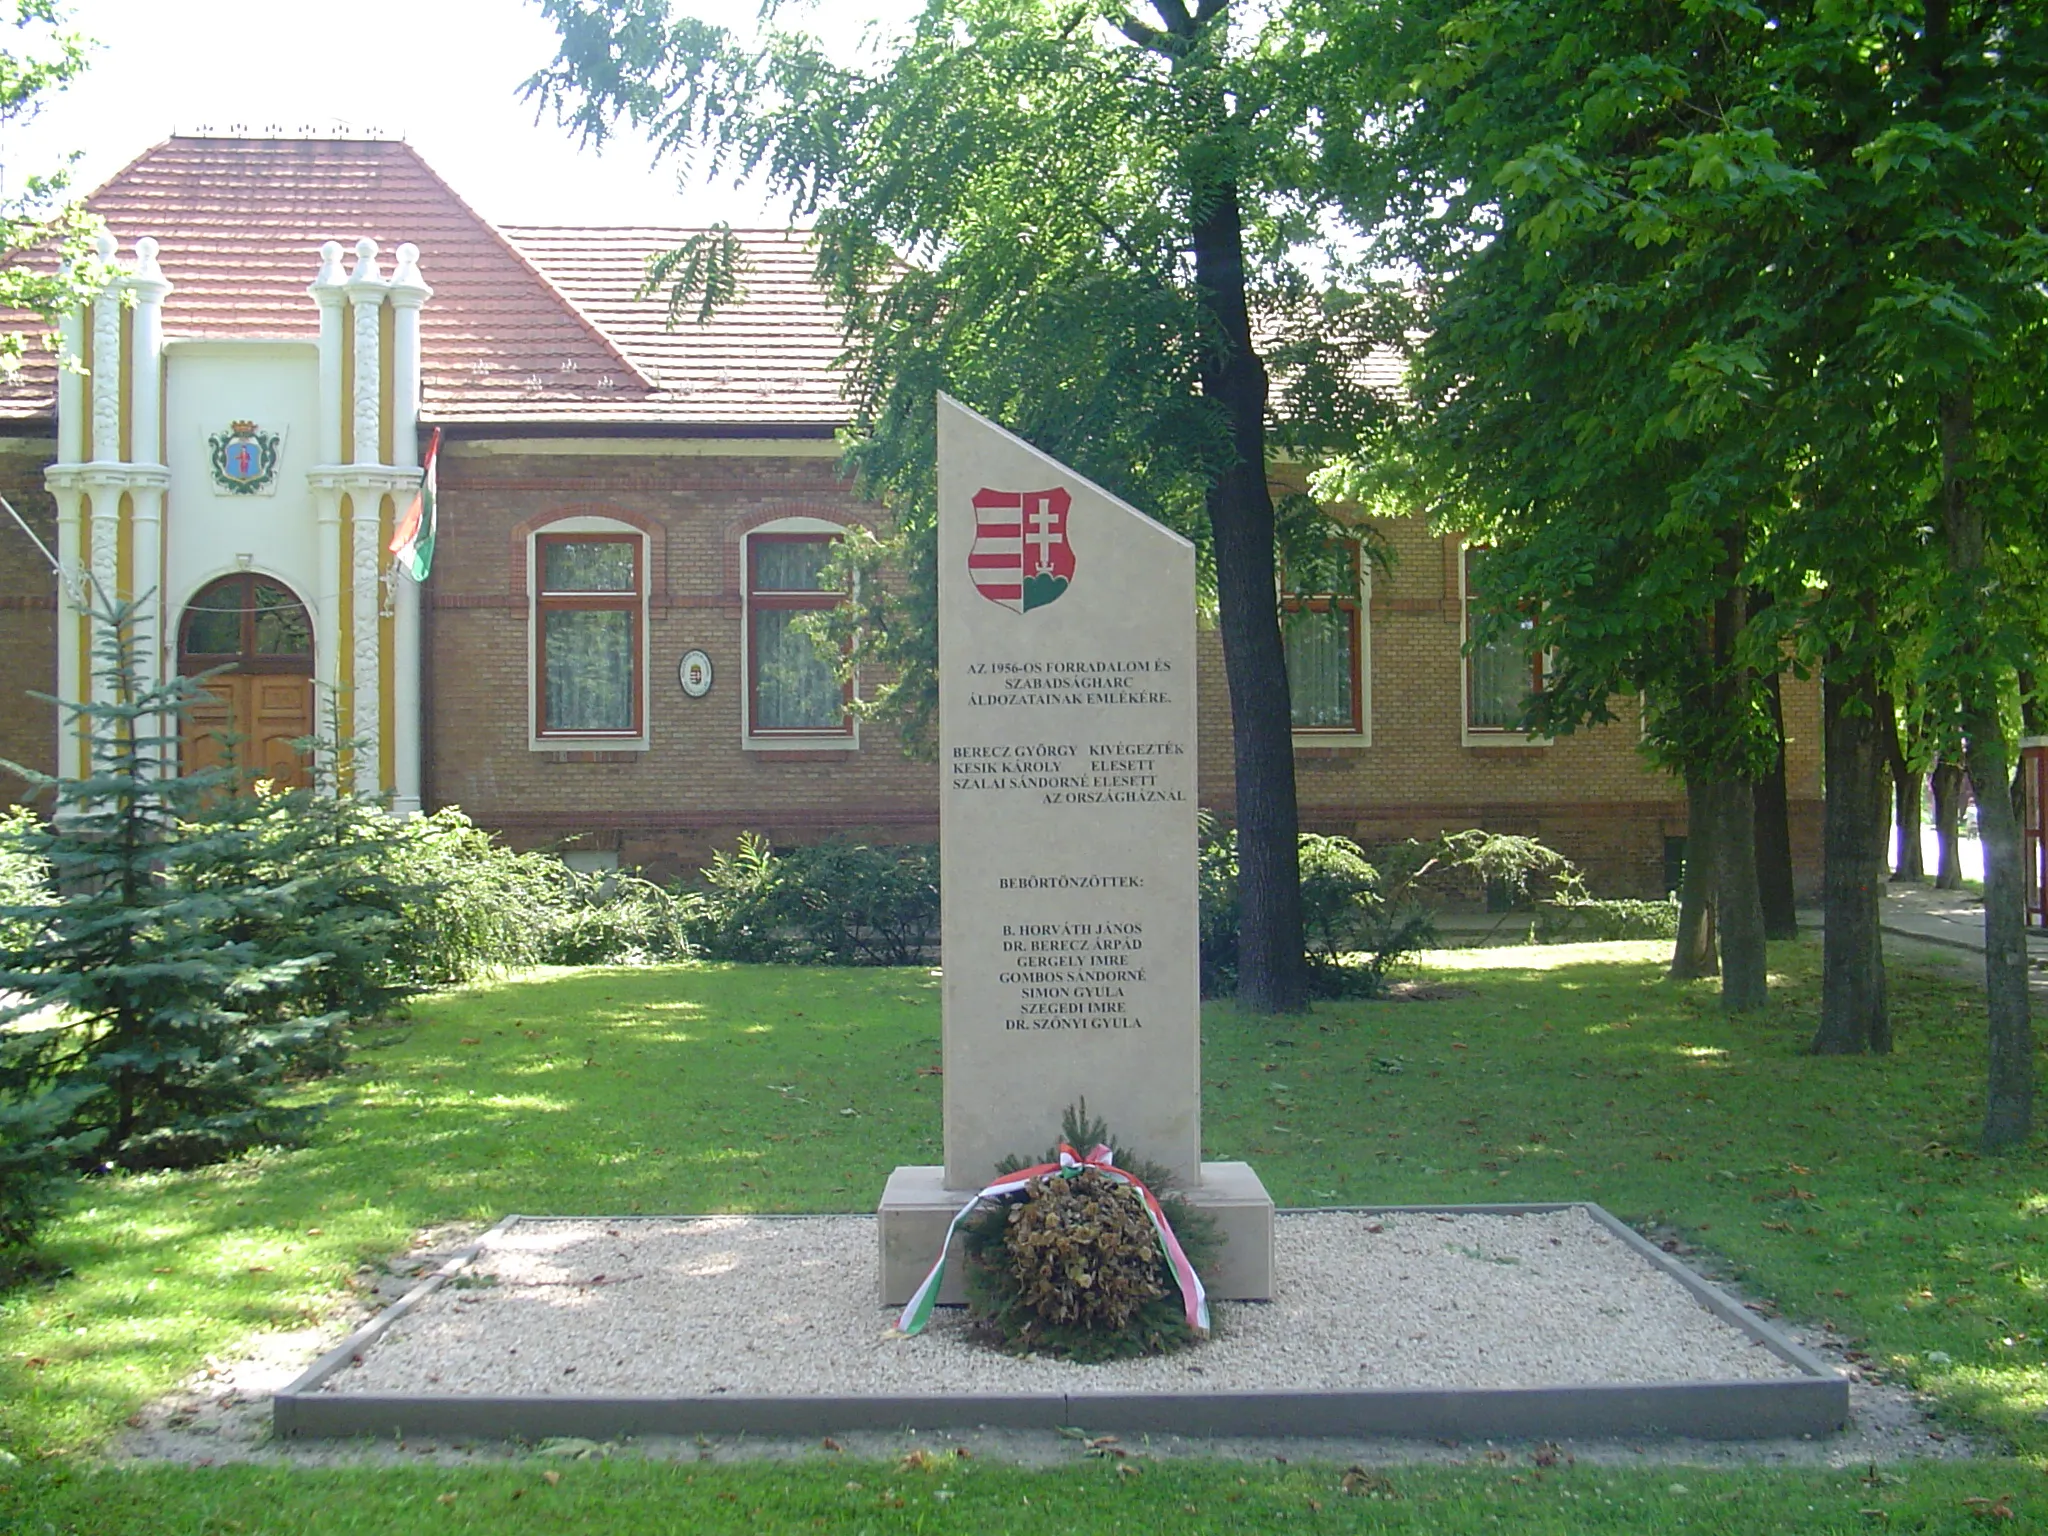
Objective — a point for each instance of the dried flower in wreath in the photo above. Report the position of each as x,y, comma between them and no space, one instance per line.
1074,1256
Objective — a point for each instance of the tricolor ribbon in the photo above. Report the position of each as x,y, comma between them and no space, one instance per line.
918,1312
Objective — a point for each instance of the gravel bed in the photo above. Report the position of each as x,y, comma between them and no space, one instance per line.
733,1304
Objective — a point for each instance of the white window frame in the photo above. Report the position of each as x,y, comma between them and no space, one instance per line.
601,741
1469,734
847,740
1311,736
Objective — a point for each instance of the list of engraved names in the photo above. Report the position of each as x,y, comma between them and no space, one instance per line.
1073,952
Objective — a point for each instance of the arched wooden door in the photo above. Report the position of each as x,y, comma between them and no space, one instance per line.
263,704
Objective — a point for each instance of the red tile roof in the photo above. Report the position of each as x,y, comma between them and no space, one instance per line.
543,329
766,356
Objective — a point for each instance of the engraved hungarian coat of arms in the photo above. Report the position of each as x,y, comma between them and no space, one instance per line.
1021,557
244,459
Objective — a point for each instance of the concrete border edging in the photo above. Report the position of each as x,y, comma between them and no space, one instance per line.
1814,1403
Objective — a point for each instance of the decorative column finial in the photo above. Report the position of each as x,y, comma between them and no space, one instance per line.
367,270
331,274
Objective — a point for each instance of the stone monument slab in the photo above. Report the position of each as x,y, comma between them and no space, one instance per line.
1067,842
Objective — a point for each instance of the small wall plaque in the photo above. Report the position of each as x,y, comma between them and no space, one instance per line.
695,674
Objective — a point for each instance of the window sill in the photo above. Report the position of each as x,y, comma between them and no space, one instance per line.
1495,741
1327,744
840,742
588,749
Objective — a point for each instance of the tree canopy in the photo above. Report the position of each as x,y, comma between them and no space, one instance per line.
1101,226
40,58
1729,303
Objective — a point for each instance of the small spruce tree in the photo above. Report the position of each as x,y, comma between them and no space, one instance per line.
150,1009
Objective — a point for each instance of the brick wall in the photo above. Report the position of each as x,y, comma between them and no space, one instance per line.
667,808
1591,795
28,613
696,788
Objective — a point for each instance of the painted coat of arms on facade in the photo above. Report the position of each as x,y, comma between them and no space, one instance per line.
244,459
1021,557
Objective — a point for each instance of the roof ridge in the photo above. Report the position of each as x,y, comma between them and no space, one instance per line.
512,249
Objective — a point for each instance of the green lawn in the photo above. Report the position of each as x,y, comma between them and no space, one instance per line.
1844,1190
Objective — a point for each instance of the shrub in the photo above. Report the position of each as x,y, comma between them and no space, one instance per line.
465,906
1351,933
836,903
1588,920
1480,867
24,879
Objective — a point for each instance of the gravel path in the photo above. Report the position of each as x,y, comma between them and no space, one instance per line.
746,1306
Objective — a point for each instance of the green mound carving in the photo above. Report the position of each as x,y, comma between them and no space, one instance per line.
1042,589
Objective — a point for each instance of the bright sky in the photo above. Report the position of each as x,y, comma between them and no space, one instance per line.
443,74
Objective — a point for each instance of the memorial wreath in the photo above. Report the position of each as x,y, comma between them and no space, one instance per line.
1074,1255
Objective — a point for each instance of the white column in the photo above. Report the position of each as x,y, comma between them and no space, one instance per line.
145,434
104,525
106,367
407,292
329,292
63,483
366,288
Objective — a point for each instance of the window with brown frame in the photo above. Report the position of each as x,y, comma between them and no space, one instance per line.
1324,634
588,626
791,690
1500,674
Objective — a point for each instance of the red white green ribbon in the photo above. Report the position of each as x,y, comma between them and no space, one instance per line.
1196,1300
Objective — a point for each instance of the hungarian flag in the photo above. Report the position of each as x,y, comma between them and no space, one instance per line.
413,539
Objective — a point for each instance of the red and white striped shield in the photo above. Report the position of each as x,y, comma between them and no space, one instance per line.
1021,557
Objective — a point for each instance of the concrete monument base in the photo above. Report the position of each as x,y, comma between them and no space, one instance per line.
916,1208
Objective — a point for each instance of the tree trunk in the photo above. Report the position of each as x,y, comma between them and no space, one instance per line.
1774,833
1948,815
1738,904
2009,1085
1745,962
1853,1015
1907,785
2009,1090
1272,976
1696,953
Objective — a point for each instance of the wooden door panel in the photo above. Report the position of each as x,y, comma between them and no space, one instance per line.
252,719
281,713
210,725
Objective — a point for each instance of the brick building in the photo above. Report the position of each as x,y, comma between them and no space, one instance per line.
620,504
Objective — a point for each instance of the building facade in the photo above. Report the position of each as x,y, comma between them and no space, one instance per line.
609,654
